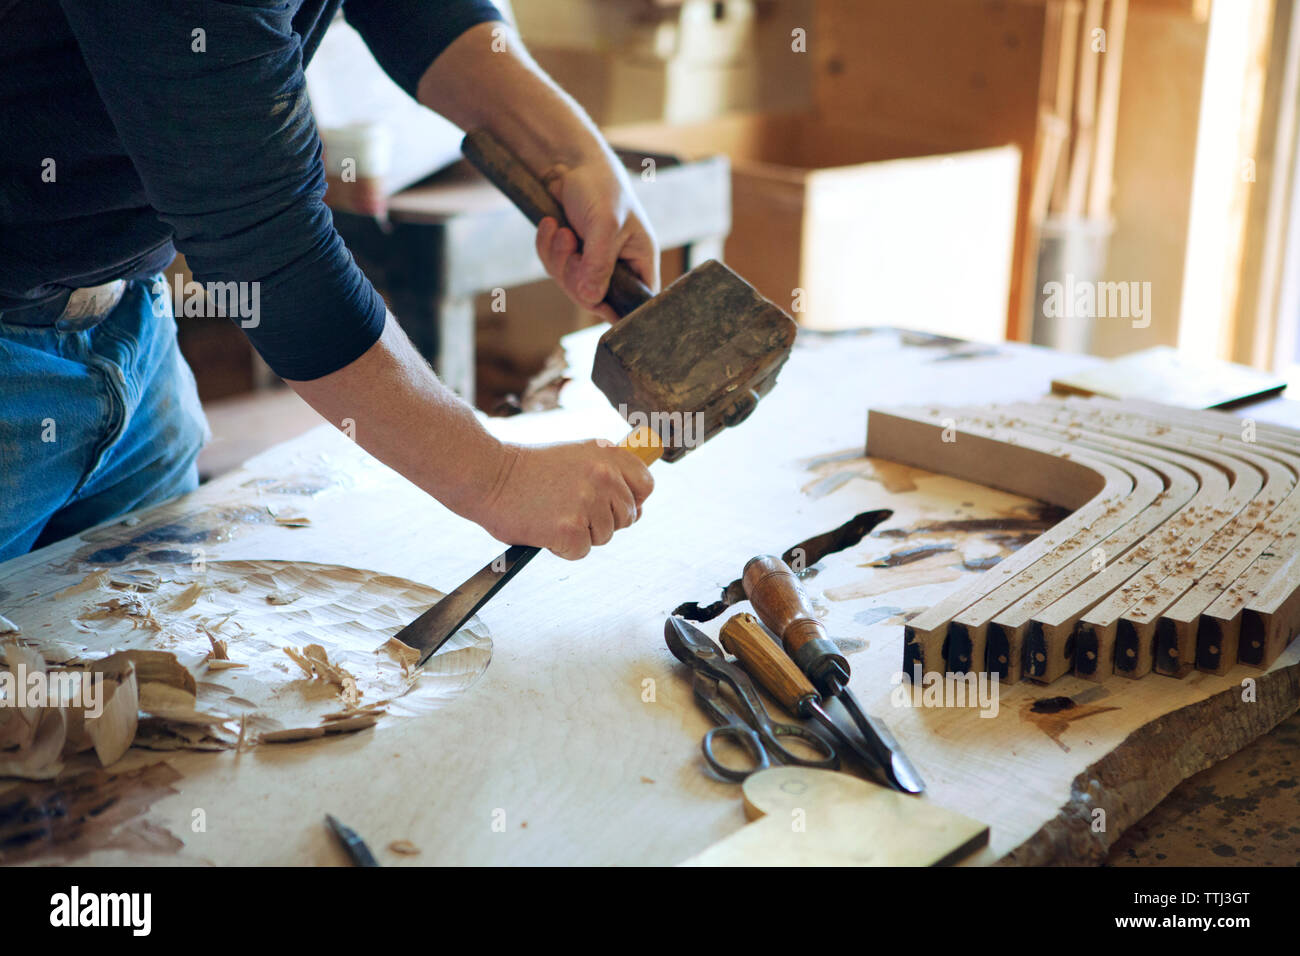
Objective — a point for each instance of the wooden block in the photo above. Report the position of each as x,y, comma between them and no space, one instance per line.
822,818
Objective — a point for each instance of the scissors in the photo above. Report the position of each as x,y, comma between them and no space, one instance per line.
753,729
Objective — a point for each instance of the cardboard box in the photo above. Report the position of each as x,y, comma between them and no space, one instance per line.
631,63
847,229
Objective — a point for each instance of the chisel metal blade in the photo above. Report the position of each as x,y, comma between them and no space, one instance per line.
881,743
434,627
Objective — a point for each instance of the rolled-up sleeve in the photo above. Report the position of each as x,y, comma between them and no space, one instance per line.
407,35
210,103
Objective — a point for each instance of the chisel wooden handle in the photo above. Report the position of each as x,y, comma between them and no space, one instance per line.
534,200
783,606
764,661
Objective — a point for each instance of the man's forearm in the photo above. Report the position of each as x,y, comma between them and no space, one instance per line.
487,80
405,417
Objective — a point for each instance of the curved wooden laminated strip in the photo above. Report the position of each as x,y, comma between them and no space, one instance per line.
1193,486
1264,592
1224,423
1148,636
969,632
1093,645
1097,630
1029,467
1261,482
1260,612
1266,596
1227,587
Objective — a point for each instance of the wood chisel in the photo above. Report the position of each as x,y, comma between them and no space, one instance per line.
782,605
690,361
434,627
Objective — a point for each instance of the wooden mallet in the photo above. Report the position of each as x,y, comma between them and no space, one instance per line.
687,362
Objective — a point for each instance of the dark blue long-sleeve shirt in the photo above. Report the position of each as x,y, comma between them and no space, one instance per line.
158,146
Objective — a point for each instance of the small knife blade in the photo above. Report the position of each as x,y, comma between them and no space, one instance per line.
434,627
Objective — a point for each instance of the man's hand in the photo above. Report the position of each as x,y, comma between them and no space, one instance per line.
604,212
567,497
486,80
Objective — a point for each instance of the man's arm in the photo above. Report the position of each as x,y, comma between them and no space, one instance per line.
566,497
485,79
222,137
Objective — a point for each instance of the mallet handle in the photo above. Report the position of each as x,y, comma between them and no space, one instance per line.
534,200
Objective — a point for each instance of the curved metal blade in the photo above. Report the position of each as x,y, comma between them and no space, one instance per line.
882,744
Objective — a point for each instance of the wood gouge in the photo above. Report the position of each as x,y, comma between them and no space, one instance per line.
770,666
782,605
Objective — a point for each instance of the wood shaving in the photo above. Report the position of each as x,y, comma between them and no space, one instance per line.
404,848
151,666
91,582
288,520
131,606
378,709
174,704
405,655
187,598
113,731
315,662
346,726
220,652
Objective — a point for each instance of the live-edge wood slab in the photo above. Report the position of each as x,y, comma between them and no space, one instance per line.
580,744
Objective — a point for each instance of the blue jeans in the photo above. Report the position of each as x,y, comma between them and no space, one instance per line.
94,424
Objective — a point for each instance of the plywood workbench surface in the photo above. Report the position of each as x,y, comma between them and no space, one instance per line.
580,742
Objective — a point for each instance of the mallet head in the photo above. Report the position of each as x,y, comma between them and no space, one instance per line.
694,359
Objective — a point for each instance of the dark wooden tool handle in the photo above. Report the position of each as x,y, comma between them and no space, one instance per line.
534,200
764,661
781,603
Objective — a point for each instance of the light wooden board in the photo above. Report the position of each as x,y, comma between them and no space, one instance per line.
580,743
